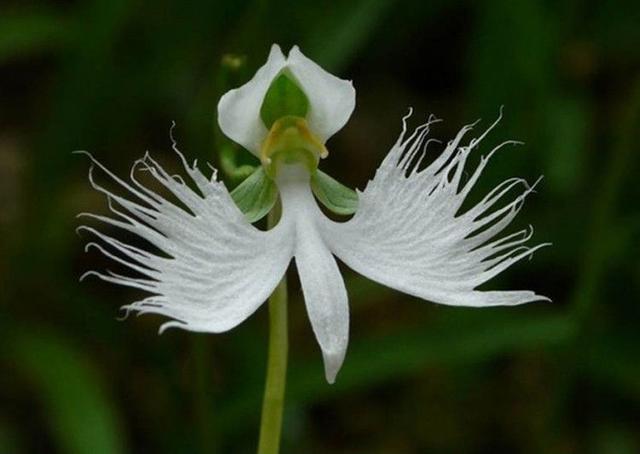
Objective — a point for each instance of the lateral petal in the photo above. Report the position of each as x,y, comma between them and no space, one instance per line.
208,269
409,232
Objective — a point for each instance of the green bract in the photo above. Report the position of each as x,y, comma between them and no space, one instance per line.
332,194
256,195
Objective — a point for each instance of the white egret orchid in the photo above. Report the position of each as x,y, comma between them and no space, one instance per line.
211,268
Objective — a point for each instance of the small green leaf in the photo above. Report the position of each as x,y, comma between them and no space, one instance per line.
256,195
284,98
334,195
78,405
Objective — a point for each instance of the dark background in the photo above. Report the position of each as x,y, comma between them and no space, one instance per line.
110,76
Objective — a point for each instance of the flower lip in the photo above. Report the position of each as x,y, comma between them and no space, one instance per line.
331,100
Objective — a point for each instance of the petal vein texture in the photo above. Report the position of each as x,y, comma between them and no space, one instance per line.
212,269
409,232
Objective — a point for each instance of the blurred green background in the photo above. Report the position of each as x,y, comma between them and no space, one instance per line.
110,76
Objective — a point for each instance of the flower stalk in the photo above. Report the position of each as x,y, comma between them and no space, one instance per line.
273,401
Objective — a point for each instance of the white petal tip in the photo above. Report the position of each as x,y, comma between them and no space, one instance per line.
330,375
87,274
171,324
332,365
127,311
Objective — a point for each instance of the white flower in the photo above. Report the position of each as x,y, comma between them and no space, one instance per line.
211,269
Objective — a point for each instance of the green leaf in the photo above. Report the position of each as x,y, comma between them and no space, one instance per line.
284,98
613,438
80,412
612,362
334,195
25,34
455,338
256,195
350,25
567,168
10,438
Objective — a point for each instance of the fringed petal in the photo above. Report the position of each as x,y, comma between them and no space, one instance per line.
409,232
210,270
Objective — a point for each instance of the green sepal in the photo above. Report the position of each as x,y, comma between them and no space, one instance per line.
256,195
333,195
283,98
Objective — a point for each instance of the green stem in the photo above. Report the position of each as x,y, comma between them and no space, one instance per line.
273,402
201,351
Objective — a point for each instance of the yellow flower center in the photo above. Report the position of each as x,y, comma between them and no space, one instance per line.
291,141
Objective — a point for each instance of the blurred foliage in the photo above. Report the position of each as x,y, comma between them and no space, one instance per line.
111,76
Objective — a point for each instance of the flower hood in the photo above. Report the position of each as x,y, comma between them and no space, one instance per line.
331,100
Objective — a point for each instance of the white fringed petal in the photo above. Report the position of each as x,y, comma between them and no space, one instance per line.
324,292
331,100
409,233
211,270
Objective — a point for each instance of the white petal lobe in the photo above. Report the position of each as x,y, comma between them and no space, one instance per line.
322,284
239,109
207,269
325,297
409,232
332,100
